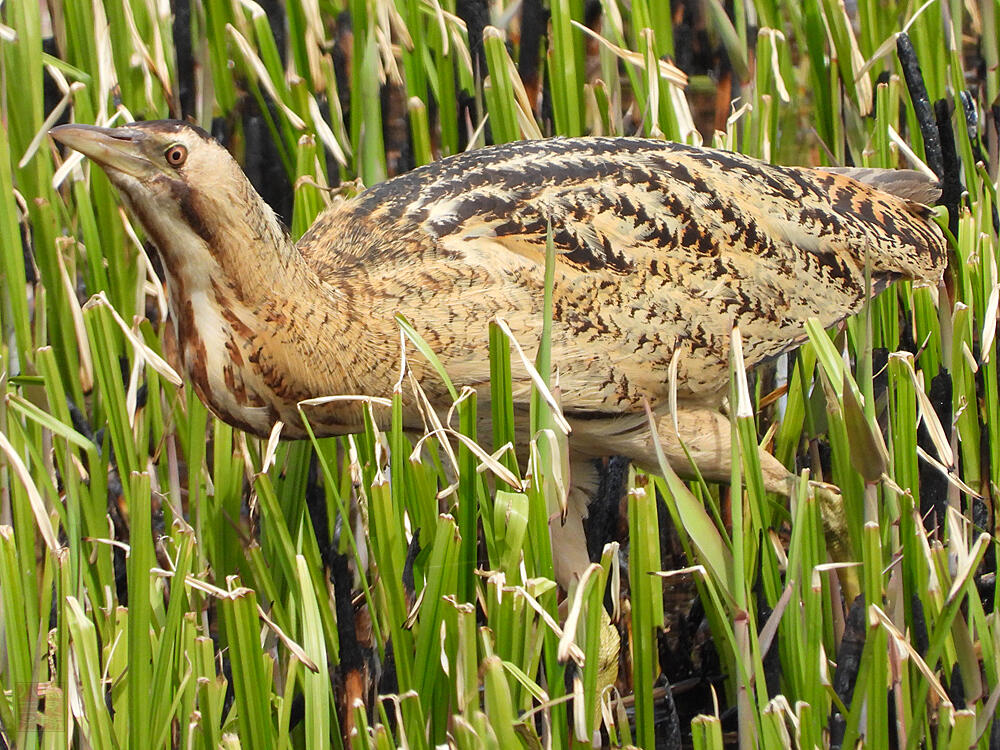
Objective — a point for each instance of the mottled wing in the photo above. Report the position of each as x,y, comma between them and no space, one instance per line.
661,248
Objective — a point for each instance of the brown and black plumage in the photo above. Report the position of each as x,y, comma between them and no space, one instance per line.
661,250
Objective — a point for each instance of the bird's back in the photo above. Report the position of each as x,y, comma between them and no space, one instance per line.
660,248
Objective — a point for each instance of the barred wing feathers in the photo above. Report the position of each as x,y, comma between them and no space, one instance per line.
660,247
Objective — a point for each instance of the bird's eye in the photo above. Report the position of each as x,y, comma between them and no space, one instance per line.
176,155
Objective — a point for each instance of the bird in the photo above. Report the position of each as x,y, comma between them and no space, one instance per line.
660,249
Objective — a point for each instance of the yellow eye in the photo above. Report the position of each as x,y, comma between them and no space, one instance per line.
176,155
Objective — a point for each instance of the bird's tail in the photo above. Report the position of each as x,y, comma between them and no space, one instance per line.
908,184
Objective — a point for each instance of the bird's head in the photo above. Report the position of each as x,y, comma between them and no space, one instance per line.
186,190
146,153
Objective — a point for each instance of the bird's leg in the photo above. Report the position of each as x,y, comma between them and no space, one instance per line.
707,435
569,542
570,558
703,431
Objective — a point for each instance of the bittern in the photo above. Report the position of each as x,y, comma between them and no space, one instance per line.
660,248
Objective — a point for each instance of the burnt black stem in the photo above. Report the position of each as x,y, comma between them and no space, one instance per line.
921,103
951,177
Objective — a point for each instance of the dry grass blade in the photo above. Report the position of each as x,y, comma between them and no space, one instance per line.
967,564
525,118
876,614
914,161
50,122
668,71
107,77
862,82
886,48
156,67
568,639
325,134
260,71
432,423
155,360
573,651
744,407
34,496
536,379
486,460
990,319
321,400
76,313
290,644
770,629
153,285
442,24
948,473
929,417
779,81
816,578
271,449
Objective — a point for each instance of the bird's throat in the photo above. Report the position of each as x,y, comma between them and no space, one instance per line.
258,332
233,277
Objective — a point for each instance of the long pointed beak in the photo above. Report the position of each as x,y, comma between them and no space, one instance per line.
117,149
